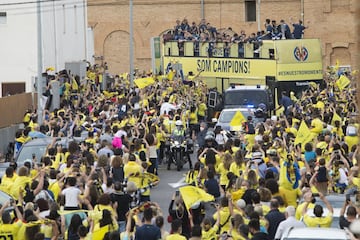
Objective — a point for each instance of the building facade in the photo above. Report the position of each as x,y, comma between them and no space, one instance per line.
332,21
64,35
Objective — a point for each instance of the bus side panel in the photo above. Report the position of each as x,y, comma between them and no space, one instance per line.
299,60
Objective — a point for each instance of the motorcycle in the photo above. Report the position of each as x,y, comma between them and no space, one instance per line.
179,152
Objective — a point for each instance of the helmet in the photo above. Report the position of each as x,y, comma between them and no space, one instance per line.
178,123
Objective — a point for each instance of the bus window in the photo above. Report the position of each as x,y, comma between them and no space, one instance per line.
272,53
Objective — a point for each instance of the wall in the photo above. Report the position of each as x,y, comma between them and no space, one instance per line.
65,28
330,20
19,102
64,38
18,44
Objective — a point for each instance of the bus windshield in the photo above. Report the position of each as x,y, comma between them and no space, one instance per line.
248,98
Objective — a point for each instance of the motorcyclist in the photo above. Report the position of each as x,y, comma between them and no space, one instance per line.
179,135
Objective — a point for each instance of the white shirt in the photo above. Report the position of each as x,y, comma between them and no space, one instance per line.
166,108
289,222
343,176
71,196
152,151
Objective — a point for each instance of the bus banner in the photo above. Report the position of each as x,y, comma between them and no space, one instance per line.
226,67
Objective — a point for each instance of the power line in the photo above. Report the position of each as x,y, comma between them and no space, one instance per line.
23,3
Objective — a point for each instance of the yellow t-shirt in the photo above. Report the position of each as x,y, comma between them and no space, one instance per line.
20,183
224,219
236,195
291,196
356,181
175,236
210,234
193,118
300,207
318,221
55,188
7,183
236,169
351,140
223,174
202,109
133,168
236,235
10,231
317,125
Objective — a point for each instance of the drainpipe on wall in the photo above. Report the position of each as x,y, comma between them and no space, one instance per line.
202,9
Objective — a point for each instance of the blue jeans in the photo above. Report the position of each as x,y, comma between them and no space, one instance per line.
122,226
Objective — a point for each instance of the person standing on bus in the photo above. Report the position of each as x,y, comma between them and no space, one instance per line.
298,30
268,30
285,102
178,33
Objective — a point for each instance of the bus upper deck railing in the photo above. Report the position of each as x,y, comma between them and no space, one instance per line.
253,50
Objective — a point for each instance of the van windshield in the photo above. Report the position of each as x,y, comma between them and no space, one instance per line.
249,98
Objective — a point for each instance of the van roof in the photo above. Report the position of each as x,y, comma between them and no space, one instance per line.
320,233
242,87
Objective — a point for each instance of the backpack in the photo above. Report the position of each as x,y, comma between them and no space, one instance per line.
249,128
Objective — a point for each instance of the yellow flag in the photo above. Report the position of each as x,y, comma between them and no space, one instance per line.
193,195
304,135
144,82
74,85
124,75
336,117
152,177
237,120
342,82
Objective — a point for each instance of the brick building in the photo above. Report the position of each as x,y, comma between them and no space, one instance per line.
333,21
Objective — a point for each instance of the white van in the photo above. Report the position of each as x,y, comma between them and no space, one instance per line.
315,234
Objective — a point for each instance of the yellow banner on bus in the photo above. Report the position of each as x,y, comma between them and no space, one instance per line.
225,67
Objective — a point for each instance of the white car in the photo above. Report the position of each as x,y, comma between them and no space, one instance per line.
315,234
226,116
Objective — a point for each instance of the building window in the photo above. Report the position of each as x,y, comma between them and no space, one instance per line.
2,17
250,10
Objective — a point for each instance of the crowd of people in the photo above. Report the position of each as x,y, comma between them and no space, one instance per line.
263,181
205,32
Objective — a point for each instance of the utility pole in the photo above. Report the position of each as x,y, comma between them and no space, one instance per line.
259,15
40,63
